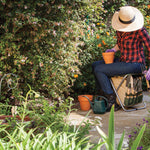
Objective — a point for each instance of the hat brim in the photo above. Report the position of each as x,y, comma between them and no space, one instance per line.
135,25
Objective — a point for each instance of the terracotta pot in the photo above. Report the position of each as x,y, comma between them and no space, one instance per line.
108,57
84,103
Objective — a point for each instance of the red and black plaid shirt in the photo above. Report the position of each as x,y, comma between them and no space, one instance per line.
131,45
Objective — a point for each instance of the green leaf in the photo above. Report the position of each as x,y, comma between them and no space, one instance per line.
138,138
99,145
2,147
26,140
104,136
109,141
120,142
111,128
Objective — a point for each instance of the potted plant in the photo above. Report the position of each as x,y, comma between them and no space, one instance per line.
108,57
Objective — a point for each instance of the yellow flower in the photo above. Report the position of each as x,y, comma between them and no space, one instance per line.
88,36
98,23
107,33
76,76
84,84
148,6
102,24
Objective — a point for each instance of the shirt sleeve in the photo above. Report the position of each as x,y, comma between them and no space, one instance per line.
146,40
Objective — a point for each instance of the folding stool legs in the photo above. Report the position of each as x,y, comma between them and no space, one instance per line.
127,110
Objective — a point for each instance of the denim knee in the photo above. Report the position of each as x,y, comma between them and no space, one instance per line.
95,64
97,70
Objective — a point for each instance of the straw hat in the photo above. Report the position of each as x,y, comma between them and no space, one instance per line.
127,19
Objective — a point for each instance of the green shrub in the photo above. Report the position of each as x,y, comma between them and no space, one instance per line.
40,45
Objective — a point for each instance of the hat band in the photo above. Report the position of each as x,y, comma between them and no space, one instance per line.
127,22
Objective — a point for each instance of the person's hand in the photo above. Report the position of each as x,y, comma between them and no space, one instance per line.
110,50
148,74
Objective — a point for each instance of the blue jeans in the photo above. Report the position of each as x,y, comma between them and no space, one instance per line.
103,72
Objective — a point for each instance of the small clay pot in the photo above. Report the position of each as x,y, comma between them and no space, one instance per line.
108,57
84,103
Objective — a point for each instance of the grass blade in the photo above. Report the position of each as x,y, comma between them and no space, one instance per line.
121,142
138,138
104,136
111,128
2,147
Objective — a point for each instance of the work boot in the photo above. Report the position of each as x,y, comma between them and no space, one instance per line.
117,107
112,100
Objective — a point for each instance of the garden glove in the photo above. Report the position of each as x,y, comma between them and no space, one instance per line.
148,74
110,50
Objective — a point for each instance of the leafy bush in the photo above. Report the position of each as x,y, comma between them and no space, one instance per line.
39,44
5,108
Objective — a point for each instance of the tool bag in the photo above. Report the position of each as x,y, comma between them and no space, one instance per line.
129,89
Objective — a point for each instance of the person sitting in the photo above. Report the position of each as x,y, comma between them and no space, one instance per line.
131,35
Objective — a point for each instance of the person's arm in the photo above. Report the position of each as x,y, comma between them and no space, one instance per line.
146,40
114,49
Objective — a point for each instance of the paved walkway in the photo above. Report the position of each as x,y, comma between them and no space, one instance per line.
123,120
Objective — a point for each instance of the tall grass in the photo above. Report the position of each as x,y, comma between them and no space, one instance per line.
22,140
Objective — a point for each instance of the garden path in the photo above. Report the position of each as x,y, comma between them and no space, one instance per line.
123,120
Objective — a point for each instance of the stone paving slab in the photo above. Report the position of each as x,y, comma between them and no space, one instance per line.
123,120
